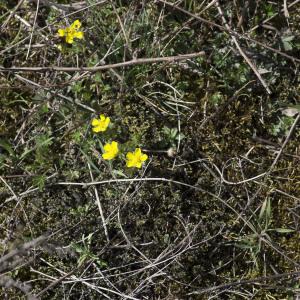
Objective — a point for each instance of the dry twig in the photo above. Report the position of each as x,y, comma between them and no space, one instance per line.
169,59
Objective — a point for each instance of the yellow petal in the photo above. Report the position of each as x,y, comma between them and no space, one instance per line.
129,164
97,129
95,122
107,156
78,35
102,117
107,148
107,121
138,151
76,24
144,157
129,156
138,165
61,32
114,146
69,39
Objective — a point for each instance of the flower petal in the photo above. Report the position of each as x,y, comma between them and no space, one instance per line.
129,164
114,146
95,122
107,148
144,157
76,24
129,156
78,35
69,39
138,151
61,32
107,121
107,156
97,129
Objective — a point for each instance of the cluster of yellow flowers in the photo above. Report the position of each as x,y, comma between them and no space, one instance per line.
134,159
71,32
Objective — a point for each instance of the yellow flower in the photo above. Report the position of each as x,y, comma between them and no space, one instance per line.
111,150
71,32
100,124
135,159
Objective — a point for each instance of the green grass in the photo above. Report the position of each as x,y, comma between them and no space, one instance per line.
213,205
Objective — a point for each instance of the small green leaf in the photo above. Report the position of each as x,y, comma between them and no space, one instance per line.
44,108
39,181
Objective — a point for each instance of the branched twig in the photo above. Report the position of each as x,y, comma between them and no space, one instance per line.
169,59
